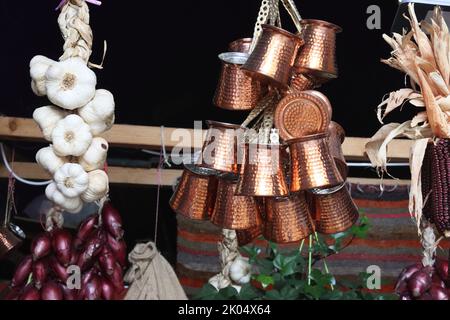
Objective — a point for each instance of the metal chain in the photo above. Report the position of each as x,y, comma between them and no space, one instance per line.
290,7
263,18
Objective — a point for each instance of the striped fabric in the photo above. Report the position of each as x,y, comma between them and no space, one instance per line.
391,244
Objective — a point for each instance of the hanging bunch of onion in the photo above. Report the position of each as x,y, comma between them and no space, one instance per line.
417,282
97,250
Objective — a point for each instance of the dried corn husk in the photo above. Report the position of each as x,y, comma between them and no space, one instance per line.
436,117
395,100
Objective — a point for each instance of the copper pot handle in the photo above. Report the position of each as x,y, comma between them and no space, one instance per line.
290,7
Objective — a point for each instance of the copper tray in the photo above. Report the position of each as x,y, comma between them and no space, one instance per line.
302,114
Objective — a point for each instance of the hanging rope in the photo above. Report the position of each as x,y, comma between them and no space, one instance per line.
74,25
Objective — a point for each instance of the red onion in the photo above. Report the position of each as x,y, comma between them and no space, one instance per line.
58,269
442,269
92,290
88,275
40,272
117,278
62,246
425,296
107,260
30,293
85,229
401,287
406,274
70,294
41,246
108,291
52,291
405,296
112,221
419,283
438,293
92,248
119,249
22,273
13,294
437,281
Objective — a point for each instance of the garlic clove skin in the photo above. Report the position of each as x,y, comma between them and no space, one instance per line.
70,83
71,180
95,156
98,186
99,109
98,128
237,287
39,66
71,136
219,282
48,160
71,205
41,59
47,118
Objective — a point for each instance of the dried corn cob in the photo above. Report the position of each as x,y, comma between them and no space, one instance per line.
426,181
441,186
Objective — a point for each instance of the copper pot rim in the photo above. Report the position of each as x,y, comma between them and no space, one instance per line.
228,177
239,41
325,99
288,197
327,191
225,57
218,124
286,33
317,136
324,75
321,23
200,172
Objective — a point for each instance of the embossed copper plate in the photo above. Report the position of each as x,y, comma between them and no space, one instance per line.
301,114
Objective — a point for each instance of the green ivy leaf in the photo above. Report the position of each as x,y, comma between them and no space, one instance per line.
273,295
208,292
289,293
229,292
265,280
248,292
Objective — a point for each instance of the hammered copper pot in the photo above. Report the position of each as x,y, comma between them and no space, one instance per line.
262,173
247,236
236,90
302,82
273,57
195,194
318,55
8,240
240,45
288,219
234,212
220,151
312,165
335,140
335,211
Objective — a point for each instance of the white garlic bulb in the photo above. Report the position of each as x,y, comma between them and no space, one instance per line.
71,205
71,136
47,117
98,186
240,270
71,180
38,68
70,83
95,156
99,109
99,127
48,160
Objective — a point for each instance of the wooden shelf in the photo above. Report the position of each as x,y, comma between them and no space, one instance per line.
148,137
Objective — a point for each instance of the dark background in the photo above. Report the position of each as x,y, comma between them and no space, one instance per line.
162,68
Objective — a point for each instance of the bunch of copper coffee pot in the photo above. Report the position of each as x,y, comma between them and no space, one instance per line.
287,180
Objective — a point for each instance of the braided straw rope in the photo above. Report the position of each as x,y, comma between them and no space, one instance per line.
74,24
228,250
